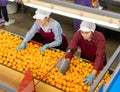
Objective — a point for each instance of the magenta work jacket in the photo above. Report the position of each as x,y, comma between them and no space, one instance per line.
93,50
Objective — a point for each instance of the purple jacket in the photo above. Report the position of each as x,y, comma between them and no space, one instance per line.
3,2
87,3
84,2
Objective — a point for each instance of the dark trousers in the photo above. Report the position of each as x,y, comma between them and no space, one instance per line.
4,13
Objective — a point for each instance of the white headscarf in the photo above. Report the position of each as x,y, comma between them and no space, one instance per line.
41,14
87,26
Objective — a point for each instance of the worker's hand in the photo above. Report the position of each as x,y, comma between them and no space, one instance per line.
98,6
44,47
63,65
89,79
22,46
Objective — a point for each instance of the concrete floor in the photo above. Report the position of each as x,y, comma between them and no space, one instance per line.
24,22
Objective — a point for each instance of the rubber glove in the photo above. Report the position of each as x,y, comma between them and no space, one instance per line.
63,65
44,47
22,46
89,79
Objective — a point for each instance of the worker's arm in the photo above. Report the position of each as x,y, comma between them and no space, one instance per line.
73,45
57,30
29,36
34,29
99,60
64,63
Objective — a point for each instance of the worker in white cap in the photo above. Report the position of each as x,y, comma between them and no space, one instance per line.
92,45
47,31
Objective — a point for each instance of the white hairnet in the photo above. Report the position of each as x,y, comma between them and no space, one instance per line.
87,26
41,14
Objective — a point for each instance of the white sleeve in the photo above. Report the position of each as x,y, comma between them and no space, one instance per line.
34,29
57,30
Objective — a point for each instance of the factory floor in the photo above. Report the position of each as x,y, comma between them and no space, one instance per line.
23,22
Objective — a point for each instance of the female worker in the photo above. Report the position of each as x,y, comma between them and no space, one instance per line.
47,31
92,44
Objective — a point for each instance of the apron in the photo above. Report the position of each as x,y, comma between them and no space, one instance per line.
48,38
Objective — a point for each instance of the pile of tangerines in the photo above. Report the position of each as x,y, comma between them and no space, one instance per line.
41,62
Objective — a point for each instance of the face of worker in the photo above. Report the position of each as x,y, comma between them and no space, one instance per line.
42,22
86,35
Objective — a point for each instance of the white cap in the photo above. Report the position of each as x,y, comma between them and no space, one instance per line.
87,26
41,14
